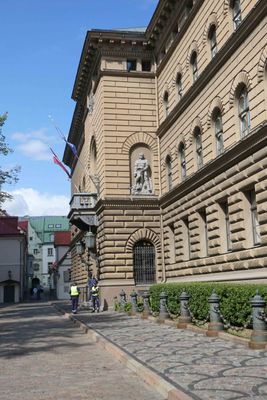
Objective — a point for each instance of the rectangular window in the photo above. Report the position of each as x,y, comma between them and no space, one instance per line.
146,66
131,65
225,234
35,251
203,226
50,251
58,225
254,217
186,239
50,225
66,276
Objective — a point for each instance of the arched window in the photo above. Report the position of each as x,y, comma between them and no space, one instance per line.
193,62
144,269
236,10
213,41
198,144
182,161
169,171
243,112
218,128
166,103
179,85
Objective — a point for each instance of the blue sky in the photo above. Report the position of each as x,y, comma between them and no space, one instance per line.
41,44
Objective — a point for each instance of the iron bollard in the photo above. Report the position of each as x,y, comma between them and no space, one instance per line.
258,339
163,313
146,310
133,296
122,298
215,325
184,318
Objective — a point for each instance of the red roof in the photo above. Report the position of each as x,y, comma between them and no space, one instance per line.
23,225
62,238
9,226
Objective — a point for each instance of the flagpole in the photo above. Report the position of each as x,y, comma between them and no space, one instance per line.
75,152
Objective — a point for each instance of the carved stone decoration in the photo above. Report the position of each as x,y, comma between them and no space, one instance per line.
90,103
142,176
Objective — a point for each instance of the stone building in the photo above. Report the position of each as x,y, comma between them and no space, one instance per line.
170,125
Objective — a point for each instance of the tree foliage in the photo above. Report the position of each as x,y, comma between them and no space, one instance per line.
6,176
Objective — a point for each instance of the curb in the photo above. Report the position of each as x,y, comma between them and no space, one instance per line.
169,391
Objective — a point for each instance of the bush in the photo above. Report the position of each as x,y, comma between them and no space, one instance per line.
234,299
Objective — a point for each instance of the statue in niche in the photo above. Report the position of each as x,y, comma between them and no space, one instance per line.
142,176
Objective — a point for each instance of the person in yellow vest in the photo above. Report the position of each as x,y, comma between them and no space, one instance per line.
95,297
74,295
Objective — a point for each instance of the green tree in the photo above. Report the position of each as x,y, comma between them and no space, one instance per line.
6,176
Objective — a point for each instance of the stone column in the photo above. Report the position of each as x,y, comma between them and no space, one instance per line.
184,318
258,338
215,325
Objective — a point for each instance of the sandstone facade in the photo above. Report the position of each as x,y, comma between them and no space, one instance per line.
190,94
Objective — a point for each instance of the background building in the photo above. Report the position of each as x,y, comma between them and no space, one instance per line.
170,126
13,260
41,236
61,275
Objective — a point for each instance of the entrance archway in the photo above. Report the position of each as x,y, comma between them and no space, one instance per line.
144,268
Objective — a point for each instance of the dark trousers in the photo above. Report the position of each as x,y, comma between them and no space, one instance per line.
96,304
74,302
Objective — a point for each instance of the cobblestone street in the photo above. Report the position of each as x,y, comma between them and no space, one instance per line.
204,368
46,357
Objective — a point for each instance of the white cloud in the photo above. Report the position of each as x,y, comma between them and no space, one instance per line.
35,149
34,144
28,201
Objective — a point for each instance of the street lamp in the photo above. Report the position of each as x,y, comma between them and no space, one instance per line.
79,248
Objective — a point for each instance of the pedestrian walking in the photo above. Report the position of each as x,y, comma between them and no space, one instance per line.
91,282
95,297
74,295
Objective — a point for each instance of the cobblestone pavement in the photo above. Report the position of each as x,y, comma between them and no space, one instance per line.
46,357
205,368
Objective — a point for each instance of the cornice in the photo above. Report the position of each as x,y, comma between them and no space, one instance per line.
75,136
148,202
95,40
223,55
178,37
247,146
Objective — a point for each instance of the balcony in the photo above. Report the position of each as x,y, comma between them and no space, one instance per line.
82,211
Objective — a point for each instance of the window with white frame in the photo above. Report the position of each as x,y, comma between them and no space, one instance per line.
179,86
243,112
169,171
166,103
254,217
193,62
203,228
236,10
171,237
225,233
218,128
199,149
50,251
186,239
213,40
182,161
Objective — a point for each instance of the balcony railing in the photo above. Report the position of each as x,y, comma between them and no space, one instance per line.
82,210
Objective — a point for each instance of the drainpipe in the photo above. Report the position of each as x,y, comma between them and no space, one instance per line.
160,189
